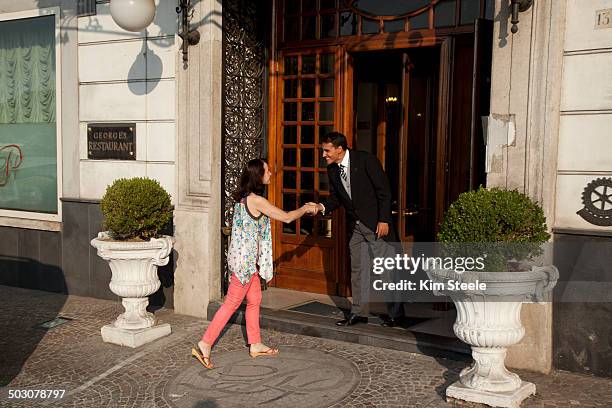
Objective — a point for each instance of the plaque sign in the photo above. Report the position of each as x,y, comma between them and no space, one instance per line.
111,141
603,19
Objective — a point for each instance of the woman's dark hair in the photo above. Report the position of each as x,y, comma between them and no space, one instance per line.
251,180
337,139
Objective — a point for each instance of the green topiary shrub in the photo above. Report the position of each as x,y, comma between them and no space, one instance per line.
135,208
504,225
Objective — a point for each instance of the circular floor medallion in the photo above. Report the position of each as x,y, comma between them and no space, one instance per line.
298,377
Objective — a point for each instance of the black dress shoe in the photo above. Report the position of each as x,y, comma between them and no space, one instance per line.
351,320
391,322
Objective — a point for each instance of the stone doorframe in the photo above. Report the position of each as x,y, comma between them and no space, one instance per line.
197,224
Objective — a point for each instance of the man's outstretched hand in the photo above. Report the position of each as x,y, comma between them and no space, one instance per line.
315,208
311,208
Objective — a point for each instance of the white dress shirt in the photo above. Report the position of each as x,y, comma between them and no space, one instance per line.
346,162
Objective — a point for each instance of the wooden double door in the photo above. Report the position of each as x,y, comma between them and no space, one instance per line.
417,109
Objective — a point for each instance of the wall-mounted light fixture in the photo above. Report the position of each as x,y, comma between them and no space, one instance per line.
516,7
133,15
189,37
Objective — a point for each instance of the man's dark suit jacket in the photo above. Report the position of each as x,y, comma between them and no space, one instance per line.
370,191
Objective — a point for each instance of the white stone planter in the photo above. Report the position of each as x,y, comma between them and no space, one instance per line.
134,278
490,322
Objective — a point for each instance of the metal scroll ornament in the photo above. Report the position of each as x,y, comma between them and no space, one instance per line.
243,98
597,201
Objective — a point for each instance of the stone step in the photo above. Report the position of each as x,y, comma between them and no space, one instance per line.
367,334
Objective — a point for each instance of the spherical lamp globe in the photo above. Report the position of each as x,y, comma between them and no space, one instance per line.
132,15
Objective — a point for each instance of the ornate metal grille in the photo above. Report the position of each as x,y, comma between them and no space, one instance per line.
244,74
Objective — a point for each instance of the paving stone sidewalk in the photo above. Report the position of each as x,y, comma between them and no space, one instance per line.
309,372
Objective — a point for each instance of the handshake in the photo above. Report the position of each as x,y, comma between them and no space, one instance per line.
312,208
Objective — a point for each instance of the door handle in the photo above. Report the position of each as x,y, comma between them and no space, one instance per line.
407,213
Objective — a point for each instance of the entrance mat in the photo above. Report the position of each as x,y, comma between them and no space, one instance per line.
320,309
334,312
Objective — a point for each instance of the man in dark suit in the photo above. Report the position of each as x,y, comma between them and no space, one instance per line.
359,184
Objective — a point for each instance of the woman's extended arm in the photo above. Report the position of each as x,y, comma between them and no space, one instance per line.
262,205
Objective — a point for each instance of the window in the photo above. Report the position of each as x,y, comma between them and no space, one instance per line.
29,145
330,19
308,104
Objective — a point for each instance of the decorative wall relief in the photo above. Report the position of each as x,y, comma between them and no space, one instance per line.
597,201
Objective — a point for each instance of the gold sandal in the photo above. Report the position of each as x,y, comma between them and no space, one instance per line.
268,352
204,360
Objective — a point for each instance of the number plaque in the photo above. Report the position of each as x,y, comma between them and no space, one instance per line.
603,19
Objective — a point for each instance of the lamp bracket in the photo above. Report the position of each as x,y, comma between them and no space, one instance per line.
516,7
189,37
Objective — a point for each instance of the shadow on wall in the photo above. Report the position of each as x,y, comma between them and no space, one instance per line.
147,66
154,70
22,311
502,17
162,27
164,297
29,273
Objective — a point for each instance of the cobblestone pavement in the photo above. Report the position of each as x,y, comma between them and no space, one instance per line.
310,372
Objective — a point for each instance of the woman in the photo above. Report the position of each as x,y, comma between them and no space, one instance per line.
249,258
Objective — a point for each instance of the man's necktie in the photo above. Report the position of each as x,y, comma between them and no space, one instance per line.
342,172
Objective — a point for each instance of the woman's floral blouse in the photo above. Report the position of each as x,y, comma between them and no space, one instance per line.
250,249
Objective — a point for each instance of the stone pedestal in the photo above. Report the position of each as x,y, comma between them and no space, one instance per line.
510,399
134,337
135,315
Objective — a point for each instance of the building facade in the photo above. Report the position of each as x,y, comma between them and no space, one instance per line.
409,81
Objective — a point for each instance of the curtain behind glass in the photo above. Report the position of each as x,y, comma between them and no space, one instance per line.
28,147
27,70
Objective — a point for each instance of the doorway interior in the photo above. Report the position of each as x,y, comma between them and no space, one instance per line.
394,98
395,101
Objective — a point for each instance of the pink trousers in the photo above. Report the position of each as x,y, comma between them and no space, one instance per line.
235,294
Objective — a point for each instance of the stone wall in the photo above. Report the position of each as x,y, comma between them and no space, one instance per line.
549,137
64,261
107,75
523,136
128,77
586,111
581,342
